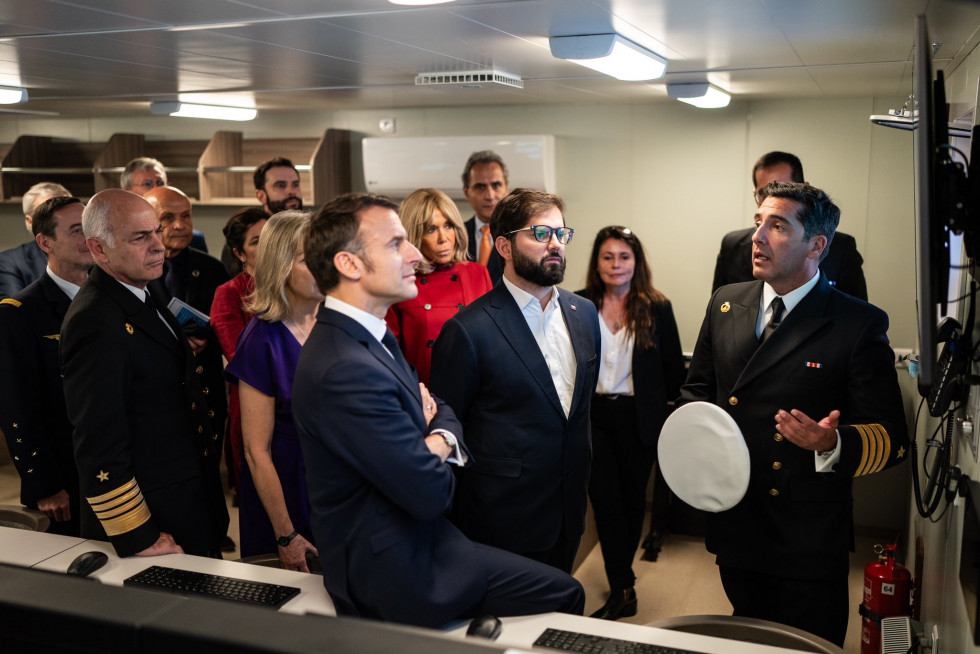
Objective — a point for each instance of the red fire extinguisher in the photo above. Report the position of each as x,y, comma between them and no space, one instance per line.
887,593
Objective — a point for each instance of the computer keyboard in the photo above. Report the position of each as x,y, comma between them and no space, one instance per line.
571,641
187,583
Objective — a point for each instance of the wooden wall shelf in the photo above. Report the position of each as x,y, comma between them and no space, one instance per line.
217,172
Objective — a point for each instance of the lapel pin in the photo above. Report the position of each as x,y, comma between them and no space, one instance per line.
813,364
726,307
129,329
195,273
574,308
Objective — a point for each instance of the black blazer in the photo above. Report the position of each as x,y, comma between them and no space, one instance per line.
32,399
530,466
830,352
142,438
20,266
658,373
842,266
203,274
493,265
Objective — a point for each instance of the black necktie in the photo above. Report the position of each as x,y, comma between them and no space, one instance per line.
774,320
389,341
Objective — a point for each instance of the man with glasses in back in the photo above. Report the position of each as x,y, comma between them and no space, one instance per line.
142,175
518,367
841,266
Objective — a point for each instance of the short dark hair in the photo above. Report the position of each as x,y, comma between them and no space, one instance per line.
483,157
516,209
238,225
774,158
818,213
258,178
44,221
334,229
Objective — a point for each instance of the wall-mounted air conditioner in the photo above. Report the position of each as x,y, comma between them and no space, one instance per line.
397,166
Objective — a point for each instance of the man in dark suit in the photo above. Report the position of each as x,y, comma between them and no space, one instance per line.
808,376
484,184
378,446
191,276
21,265
32,400
518,366
146,454
842,263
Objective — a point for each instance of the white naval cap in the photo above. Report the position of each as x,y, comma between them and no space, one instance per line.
703,457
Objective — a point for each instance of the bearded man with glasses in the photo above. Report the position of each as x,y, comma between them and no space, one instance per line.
518,367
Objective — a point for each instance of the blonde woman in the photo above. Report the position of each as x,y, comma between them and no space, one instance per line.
274,509
446,281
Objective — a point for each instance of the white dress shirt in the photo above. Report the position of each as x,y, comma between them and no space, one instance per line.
616,364
551,334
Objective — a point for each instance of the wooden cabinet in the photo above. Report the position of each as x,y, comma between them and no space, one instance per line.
218,171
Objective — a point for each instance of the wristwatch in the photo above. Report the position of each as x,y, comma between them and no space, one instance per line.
449,438
284,541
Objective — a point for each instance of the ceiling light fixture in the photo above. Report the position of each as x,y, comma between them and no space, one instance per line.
701,95
12,94
212,111
419,2
610,54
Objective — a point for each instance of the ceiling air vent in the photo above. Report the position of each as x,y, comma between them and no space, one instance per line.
469,79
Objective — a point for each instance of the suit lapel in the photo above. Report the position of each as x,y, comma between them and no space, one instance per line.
361,335
138,313
505,313
582,338
807,318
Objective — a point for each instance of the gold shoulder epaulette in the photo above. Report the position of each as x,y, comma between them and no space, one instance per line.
11,301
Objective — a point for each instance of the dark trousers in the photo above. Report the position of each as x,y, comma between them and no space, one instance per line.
617,486
561,555
819,607
519,586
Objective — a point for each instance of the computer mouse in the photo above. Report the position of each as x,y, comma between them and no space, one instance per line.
86,563
484,626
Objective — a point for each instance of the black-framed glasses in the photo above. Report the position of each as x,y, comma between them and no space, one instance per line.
150,183
542,233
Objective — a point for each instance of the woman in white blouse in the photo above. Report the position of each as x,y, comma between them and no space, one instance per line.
640,373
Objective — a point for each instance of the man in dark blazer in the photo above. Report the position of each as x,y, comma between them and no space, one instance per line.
146,454
32,399
192,276
378,447
808,376
21,265
842,263
518,366
485,182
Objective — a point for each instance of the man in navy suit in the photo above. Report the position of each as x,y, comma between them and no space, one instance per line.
842,263
484,184
32,399
378,447
21,265
807,374
518,367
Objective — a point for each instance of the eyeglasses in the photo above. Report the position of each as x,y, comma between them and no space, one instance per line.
150,183
542,233
623,233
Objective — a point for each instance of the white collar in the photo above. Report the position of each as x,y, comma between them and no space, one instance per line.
791,299
375,326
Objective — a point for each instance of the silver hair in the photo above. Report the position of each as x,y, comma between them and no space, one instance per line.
96,220
41,189
140,163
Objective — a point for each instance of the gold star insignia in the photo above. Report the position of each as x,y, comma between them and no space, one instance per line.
129,329
102,476
901,452
726,307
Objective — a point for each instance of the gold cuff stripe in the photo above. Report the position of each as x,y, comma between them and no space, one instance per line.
105,497
128,521
102,507
875,449
105,511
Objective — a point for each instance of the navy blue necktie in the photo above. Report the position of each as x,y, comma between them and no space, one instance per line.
389,341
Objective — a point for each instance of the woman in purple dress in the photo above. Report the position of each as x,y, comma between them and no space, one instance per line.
274,509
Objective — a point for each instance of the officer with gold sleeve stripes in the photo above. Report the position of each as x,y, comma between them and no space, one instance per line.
145,451
807,374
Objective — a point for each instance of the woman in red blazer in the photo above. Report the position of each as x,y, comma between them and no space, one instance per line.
228,317
446,281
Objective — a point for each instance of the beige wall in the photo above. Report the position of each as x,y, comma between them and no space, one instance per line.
678,176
